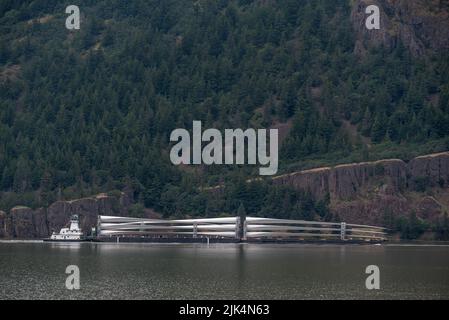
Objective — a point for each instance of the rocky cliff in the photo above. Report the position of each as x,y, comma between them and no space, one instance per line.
26,223
417,24
364,192
4,224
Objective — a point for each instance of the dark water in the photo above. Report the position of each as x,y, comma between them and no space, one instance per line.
227,271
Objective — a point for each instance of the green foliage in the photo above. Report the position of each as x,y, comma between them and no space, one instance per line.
115,193
137,210
89,111
411,227
442,228
241,212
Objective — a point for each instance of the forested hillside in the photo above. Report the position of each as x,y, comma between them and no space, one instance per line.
91,110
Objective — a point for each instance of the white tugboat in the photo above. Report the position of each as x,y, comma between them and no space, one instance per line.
71,234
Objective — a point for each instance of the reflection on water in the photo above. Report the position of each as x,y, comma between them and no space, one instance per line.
71,246
222,271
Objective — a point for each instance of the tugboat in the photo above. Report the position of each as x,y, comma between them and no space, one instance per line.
71,234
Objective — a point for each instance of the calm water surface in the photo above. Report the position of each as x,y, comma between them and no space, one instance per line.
224,271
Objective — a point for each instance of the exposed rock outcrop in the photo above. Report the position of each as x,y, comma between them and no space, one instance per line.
316,181
371,211
429,209
434,167
88,209
345,182
364,192
417,24
26,223
4,225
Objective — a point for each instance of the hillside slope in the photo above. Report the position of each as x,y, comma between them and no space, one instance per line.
90,111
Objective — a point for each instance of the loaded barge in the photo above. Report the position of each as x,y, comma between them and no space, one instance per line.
114,229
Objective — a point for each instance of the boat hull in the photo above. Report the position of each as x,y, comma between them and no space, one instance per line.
66,240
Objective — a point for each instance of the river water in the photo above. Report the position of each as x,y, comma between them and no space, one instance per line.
222,271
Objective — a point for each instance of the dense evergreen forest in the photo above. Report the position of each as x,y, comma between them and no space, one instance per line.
91,110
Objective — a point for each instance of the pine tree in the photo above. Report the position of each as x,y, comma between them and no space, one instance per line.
378,130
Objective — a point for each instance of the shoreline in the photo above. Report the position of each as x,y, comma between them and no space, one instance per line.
156,241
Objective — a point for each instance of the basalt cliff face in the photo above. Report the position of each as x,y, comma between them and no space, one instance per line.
417,24
365,192
26,223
